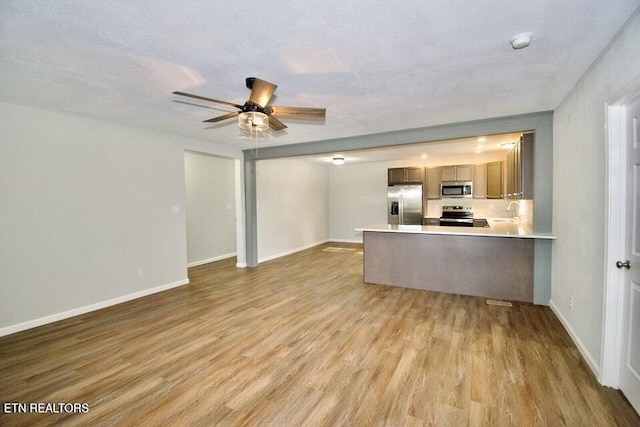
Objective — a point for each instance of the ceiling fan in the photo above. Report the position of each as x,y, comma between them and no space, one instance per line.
256,114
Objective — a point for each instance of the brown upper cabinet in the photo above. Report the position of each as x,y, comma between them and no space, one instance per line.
457,173
520,169
494,180
480,181
433,183
487,181
412,175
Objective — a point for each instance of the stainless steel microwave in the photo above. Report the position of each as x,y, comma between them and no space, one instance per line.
456,189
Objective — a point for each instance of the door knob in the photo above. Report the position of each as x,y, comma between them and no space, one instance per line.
625,264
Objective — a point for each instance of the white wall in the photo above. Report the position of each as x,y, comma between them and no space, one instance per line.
358,197
292,206
579,190
210,208
83,205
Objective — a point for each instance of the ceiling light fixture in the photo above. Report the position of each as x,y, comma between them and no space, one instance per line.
482,139
508,145
521,40
338,161
253,121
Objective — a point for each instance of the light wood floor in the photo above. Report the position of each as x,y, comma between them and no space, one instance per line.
301,341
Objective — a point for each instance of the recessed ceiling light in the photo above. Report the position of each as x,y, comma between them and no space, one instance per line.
478,150
338,161
424,155
521,40
508,145
482,139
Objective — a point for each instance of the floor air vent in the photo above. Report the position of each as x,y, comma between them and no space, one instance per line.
334,249
500,303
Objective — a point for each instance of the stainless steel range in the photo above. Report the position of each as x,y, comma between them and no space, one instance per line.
457,216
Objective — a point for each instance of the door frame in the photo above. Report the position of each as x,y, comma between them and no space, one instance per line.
615,225
241,260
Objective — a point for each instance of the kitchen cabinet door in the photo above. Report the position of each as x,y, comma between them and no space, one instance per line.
448,173
396,176
511,174
517,162
494,180
464,173
457,173
413,175
433,183
520,169
526,166
480,181
431,221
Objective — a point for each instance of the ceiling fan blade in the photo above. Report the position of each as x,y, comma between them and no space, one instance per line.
197,105
261,92
276,124
203,98
298,111
224,117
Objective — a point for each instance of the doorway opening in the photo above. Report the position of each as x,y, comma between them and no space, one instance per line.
211,211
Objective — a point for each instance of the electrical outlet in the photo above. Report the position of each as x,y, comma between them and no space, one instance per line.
570,303
140,272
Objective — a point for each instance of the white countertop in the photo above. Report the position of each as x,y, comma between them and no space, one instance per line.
497,228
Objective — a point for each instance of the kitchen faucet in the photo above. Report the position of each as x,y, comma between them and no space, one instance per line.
517,213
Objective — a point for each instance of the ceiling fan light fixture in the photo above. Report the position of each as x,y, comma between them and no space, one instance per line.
253,121
253,117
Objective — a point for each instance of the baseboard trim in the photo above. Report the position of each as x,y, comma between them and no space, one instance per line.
30,324
574,337
292,251
208,260
346,240
241,264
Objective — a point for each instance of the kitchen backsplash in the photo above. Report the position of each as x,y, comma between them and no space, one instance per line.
484,208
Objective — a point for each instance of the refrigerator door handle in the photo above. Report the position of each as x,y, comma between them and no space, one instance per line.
401,216
394,208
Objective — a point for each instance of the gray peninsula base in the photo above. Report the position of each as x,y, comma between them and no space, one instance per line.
491,267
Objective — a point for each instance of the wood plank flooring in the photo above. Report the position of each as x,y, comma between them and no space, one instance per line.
302,341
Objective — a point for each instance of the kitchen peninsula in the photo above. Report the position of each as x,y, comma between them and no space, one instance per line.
494,262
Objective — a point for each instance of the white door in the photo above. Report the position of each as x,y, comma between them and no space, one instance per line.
630,265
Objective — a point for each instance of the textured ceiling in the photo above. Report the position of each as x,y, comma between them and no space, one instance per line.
375,65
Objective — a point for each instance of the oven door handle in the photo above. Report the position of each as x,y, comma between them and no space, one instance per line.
456,219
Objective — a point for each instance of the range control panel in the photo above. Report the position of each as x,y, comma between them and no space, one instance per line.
466,209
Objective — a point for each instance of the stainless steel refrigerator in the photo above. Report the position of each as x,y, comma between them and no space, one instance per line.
404,204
